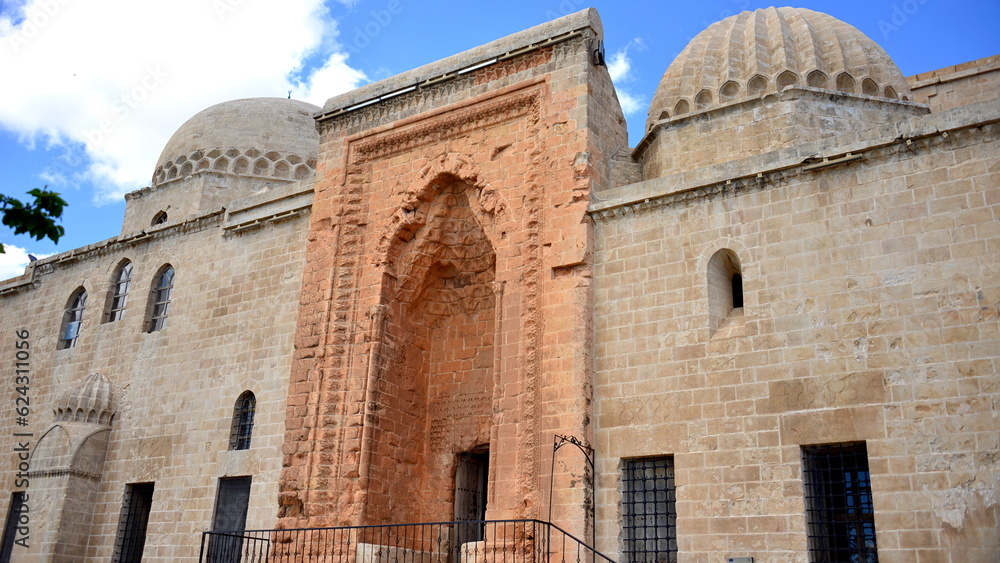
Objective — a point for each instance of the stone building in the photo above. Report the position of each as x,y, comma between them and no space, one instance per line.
775,319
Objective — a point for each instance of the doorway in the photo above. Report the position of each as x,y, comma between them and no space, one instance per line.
471,479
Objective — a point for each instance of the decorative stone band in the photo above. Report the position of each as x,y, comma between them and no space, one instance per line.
52,473
237,162
480,116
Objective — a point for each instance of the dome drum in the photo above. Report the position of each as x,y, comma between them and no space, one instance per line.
263,137
224,153
753,54
755,126
245,162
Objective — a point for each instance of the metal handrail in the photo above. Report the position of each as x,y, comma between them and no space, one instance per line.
507,541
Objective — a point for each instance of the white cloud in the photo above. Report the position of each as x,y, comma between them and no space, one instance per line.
118,77
13,261
630,104
620,68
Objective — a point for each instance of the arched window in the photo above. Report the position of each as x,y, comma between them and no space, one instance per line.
73,318
239,435
119,292
158,219
162,289
725,287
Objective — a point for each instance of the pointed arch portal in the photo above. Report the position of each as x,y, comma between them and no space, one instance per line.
435,391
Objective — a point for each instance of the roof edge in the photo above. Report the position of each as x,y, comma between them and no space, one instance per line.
466,60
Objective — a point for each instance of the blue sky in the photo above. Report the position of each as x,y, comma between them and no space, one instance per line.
91,91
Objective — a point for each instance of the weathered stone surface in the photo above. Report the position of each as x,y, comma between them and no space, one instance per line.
481,263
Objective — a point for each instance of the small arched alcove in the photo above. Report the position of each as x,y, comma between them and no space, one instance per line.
725,288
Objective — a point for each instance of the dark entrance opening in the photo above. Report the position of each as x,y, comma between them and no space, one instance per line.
737,291
231,505
471,477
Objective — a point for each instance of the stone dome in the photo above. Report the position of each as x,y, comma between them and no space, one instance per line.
261,137
93,399
756,53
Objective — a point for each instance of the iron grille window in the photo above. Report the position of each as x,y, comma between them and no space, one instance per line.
10,529
132,523
119,293
838,499
73,319
231,504
649,512
239,436
161,299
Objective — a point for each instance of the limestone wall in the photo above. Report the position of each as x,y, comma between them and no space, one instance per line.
967,83
871,314
230,326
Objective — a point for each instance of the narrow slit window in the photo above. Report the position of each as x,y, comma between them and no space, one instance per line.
242,428
161,299
72,319
724,288
119,292
838,499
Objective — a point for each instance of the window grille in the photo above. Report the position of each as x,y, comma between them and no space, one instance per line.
10,529
132,523
242,429
838,499
231,503
649,512
119,294
73,318
161,299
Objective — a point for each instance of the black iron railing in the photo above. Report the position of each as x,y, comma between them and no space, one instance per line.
485,541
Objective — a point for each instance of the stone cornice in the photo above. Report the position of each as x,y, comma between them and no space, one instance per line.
49,473
464,63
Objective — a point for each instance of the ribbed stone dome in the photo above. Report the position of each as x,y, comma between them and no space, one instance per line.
756,53
91,400
261,137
